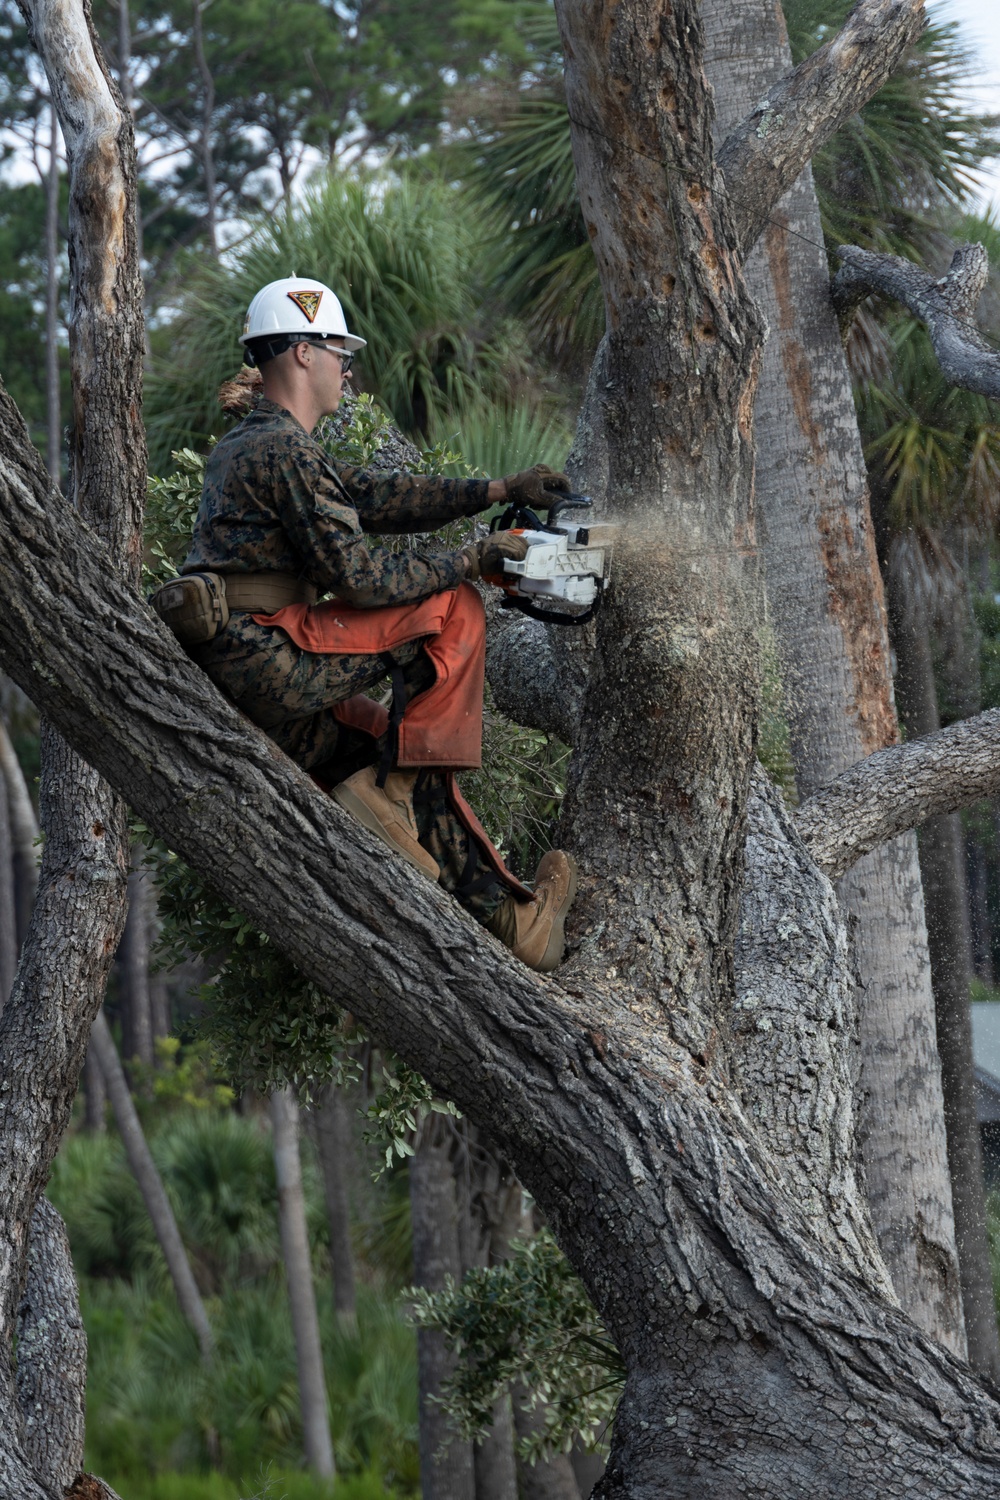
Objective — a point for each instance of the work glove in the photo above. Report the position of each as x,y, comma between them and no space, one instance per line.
486,557
538,488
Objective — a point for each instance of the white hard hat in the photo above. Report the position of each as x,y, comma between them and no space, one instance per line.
297,305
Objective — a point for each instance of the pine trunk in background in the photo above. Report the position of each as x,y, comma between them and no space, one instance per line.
154,1195
942,864
551,1479
979,903
95,1095
23,832
489,1201
826,604
298,1274
331,1123
447,1470
8,901
53,446
133,968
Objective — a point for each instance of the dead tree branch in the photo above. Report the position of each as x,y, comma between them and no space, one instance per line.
946,305
767,151
901,788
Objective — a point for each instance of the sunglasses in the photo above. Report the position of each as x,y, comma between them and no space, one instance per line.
346,359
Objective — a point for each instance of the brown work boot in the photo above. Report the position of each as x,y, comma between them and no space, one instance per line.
388,813
535,931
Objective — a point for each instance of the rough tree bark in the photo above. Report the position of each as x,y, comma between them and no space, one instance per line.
679,1104
51,1355
318,1447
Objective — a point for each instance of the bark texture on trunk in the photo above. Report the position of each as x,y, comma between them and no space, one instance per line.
447,1469
146,1174
298,1275
51,1355
827,607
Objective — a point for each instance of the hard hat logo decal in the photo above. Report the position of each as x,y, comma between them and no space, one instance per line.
307,303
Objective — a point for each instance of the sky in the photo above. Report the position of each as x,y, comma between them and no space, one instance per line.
980,23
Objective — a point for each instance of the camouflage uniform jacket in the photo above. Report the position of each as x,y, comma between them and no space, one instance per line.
274,501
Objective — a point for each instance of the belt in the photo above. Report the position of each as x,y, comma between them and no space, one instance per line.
265,593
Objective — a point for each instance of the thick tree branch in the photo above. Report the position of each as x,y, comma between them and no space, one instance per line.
901,788
946,305
764,155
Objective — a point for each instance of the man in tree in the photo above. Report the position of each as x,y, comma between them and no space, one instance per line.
678,1100
280,524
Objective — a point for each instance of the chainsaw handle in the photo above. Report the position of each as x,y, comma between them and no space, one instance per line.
522,518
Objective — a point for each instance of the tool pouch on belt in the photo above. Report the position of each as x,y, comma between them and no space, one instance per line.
194,606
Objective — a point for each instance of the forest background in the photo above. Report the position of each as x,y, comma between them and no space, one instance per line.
419,163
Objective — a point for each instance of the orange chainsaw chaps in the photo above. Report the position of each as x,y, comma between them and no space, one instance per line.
442,727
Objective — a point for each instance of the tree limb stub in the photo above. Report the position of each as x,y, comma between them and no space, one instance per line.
945,304
767,151
900,788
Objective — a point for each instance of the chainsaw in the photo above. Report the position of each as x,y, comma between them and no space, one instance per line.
565,562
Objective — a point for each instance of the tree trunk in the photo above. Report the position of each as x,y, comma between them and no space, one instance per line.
979,904
133,968
51,1355
298,1275
942,862
53,451
331,1121
548,1479
489,1201
205,148
446,1461
154,1195
24,834
826,603
95,1095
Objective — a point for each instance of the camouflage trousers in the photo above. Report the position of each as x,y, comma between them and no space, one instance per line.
290,694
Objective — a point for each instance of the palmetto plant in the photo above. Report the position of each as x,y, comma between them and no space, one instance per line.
401,252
